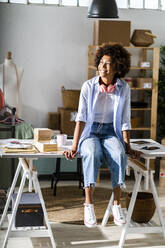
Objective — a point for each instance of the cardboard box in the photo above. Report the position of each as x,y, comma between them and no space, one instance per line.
70,98
111,31
54,120
144,83
67,124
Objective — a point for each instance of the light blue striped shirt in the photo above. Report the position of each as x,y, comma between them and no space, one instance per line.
87,107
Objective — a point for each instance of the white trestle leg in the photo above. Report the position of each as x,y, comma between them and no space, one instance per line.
130,226
31,174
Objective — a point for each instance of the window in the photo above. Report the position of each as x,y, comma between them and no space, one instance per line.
69,2
35,1
136,4
51,1
151,4
163,4
18,1
84,2
122,3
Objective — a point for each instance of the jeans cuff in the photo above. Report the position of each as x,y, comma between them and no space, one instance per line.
88,185
122,186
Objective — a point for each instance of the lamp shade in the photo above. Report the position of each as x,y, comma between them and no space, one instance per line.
102,9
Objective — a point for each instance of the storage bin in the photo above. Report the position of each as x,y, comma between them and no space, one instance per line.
144,207
142,38
29,212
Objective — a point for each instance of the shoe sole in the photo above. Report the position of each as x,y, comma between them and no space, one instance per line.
116,222
90,226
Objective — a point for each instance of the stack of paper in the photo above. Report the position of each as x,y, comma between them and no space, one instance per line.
17,147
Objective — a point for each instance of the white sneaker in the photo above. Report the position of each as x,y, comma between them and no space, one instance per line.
89,216
119,218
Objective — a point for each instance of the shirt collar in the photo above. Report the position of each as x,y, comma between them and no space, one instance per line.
119,82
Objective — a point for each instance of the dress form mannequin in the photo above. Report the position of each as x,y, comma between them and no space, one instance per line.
10,82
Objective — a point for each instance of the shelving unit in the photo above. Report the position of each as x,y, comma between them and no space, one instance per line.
147,96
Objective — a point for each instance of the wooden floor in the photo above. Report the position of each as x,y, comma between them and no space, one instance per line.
78,236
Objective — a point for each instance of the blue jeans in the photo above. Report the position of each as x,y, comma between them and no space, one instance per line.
103,142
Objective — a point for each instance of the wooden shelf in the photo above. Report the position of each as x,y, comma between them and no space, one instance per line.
140,109
141,128
135,88
140,68
136,47
127,47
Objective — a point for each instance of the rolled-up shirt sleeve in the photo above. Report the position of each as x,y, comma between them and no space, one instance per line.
126,122
82,109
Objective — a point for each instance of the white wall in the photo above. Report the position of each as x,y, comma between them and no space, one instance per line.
51,44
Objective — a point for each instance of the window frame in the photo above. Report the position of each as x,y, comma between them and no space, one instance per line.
160,4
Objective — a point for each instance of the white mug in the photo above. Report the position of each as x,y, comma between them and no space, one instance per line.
61,139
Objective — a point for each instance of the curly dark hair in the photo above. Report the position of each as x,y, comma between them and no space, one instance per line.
120,58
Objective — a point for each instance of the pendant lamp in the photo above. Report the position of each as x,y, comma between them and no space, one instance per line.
102,9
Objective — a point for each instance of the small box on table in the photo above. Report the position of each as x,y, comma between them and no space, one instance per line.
42,134
46,146
29,212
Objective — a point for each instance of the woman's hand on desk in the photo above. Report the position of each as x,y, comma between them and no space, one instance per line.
71,154
134,154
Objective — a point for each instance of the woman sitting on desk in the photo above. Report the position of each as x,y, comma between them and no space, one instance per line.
102,127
